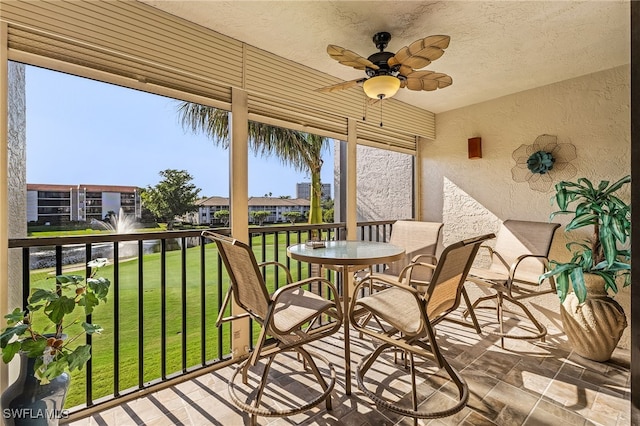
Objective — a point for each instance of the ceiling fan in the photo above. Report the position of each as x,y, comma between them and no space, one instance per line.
387,72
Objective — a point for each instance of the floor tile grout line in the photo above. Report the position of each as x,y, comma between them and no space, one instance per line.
557,373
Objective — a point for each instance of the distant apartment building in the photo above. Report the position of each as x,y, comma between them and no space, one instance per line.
207,207
303,190
59,204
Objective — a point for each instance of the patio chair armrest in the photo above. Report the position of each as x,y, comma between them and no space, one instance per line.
519,259
416,258
497,254
408,270
279,265
386,280
488,248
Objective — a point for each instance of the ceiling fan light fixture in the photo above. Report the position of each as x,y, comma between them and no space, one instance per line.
381,86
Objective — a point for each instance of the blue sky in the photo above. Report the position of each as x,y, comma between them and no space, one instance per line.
83,131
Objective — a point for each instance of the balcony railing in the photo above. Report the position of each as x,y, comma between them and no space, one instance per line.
166,292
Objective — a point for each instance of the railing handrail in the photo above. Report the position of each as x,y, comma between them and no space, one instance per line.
141,236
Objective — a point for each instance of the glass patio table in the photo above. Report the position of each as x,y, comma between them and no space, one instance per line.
346,257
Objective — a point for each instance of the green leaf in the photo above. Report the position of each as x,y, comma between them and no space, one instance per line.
9,332
609,281
618,229
98,262
40,294
34,348
577,281
79,357
617,185
57,309
562,286
69,279
612,267
582,220
92,328
561,197
16,316
9,351
100,286
53,370
89,301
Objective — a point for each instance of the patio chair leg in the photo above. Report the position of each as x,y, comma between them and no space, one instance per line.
263,382
499,301
470,311
542,330
414,392
308,360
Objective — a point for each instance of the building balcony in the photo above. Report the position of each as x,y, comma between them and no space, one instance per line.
162,360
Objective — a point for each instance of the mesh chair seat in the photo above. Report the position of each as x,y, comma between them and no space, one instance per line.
296,307
393,299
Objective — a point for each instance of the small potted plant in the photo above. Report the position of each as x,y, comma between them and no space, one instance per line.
599,265
48,354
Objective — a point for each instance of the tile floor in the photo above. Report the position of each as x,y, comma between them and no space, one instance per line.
526,383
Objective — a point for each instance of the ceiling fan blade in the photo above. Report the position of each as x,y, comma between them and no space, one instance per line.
405,70
341,86
349,58
421,52
427,80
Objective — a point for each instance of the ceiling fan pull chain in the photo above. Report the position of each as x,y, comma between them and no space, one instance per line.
380,112
364,108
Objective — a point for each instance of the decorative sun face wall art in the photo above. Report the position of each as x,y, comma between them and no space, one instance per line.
544,162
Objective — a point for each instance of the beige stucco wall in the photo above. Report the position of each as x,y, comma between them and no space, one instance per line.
17,173
384,184
475,196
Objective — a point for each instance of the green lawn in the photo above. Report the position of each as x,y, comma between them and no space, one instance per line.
129,316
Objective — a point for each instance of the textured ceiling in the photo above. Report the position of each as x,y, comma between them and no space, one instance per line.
497,47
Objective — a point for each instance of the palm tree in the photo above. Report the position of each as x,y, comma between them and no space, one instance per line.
302,151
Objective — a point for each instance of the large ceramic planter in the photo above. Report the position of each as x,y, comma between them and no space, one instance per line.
594,327
28,403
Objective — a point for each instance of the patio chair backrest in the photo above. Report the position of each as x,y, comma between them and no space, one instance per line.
249,289
444,291
519,237
416,238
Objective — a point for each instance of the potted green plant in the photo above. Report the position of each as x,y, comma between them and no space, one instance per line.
39,335
599,264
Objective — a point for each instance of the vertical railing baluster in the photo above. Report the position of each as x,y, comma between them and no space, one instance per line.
26,277
163,308
58,260
116,319
203,306
287,238
263,257
140,316
183,255
89,365
250,319
276,246
299,235
220,297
